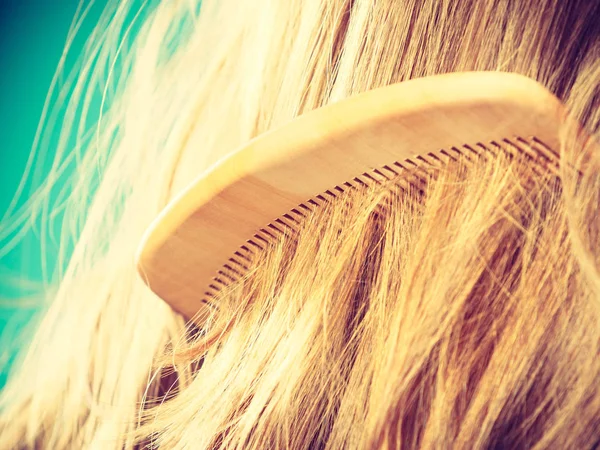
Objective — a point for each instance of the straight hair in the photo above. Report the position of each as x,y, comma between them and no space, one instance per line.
461,312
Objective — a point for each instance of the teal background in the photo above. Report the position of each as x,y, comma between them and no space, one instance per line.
32,37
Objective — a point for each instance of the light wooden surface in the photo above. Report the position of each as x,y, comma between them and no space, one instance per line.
202,229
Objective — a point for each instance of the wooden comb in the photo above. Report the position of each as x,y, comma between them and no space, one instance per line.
205,238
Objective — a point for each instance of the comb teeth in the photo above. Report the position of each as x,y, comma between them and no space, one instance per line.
412,173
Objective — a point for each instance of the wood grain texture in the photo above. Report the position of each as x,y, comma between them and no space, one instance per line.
204,238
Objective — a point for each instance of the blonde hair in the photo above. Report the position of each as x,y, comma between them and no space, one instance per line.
463,315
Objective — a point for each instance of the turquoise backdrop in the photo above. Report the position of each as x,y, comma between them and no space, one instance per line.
32,37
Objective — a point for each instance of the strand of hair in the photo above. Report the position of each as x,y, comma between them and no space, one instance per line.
237,272
226,275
